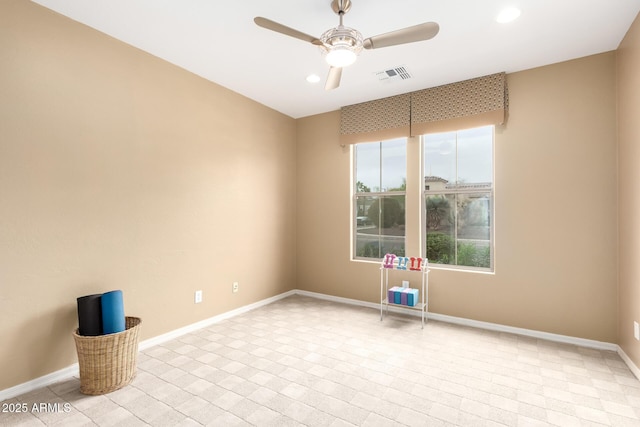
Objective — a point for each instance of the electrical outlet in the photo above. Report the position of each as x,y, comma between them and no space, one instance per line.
234,287
636,330
405,283
198,297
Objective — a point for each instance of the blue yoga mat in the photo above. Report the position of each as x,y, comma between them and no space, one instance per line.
112,312
90,315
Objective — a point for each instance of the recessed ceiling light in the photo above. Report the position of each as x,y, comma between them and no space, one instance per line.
507,15
313,78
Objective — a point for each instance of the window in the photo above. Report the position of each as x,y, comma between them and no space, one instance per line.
458,197
379,198
455,228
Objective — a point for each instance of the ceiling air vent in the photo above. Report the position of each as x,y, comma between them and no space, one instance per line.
394,74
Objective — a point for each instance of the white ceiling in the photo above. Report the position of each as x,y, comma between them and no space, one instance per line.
219,41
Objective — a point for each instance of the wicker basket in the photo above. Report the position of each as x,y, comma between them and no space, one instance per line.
108,362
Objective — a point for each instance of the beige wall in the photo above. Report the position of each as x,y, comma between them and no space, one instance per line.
121,171
555,192
628,56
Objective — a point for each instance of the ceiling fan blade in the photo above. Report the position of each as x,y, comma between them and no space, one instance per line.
333,79
283,29
416,33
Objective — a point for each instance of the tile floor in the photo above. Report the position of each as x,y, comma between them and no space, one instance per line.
304,361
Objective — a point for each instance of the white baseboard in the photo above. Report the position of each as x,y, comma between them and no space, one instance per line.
210,321
39,382
582,342
339,299
565,339
629,362
72,370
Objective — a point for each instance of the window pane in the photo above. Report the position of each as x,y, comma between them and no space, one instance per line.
474,230
475,158
440,157
367,233
440,218
392,220
474,216
380,226
394,165
367,167
459,229
381,166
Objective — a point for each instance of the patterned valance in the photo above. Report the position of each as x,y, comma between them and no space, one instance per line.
377,120
470,103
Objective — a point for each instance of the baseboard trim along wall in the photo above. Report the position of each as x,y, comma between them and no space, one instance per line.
581,342
600,345
629,362
210,321
39,382
72,370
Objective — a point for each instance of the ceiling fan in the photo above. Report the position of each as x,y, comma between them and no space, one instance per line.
341,44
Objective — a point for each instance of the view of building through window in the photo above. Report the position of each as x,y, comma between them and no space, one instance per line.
457,183
458,191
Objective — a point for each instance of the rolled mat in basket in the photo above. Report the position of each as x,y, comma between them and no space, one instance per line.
112,312
108,362
90,315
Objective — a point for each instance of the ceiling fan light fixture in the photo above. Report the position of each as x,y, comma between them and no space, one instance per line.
341,46
313,78
508,14
341,56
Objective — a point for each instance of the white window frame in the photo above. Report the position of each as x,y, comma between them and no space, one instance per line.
424,219
380,194
415,196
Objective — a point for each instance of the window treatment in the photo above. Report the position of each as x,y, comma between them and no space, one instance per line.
476,102
470,103
377,120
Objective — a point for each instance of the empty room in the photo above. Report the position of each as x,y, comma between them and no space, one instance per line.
320,213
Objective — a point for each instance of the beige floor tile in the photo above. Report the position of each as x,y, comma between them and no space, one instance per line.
12,418
76,419
562,420
193,406
619,409
473,407
502,416
297,411
227,400
262,415
317,418
227,419
119,416
591,414
304,361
